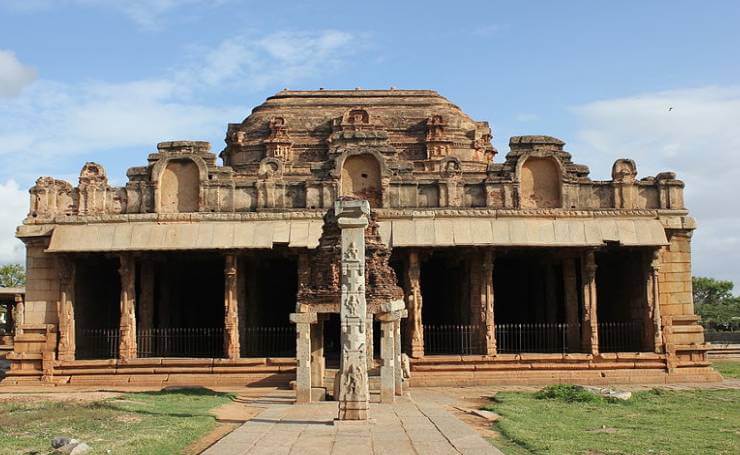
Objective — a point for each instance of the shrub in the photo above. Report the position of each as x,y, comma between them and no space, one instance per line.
568,393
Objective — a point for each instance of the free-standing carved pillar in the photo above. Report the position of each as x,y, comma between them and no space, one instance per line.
303,323
369,342
570,285
231,310
19,315
388,356
127,326
486,300
414,326
352,218
589,324
653,299
397,354
65,309
318,364
146,294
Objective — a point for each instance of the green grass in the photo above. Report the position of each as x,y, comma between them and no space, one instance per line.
728,368
653,422
134,423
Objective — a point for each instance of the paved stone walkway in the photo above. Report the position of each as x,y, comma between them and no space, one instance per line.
408,427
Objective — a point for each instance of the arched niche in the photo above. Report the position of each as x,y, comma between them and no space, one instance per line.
179,187
361,178
539,183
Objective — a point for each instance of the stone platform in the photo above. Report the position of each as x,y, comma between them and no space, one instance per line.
410,426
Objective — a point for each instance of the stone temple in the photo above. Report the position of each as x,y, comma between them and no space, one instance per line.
481,269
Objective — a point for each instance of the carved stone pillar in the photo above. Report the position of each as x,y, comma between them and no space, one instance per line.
414,305
65,309
398,371
388,356
486,296
146,294
589,324
352,218
653,299
19,315
231,308
369,342
127,326
318,364
570,285
303,323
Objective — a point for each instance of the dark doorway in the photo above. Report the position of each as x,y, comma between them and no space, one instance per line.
97,307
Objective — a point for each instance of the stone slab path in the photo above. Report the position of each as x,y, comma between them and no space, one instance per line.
410,426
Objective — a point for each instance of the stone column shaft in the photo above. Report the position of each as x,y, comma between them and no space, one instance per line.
388,357
352,218
589,325
414,305
146,296
654,301
303,323
231,308
318,365
127,344
570,285
398,372
487,304
65,309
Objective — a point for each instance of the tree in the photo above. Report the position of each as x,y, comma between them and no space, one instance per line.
715,303
12,276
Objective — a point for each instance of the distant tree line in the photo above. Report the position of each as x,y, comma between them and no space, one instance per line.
715,303
12,276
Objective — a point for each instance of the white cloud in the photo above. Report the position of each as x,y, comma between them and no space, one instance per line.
692,132
280,57
13,208
55,120
14,75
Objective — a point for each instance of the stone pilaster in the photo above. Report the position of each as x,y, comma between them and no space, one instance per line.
570,285
127,326
352,218
65,309
146,294
653,299
303,323
589,324
231,308
388,356
414,305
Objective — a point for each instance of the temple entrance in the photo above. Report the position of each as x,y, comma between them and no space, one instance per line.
268,288
623,313
536,309
445,290
180,310
97,307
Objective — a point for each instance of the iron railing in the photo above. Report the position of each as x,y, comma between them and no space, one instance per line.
97,344
451,339
722,337
266,341
546,337
181,342
620,336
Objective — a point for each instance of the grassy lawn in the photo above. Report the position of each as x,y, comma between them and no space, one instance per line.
653,422
728,368
133,423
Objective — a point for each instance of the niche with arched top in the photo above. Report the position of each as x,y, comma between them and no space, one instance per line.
361,178
539,184
179,187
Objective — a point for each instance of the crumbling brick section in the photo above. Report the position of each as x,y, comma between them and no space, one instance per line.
320,285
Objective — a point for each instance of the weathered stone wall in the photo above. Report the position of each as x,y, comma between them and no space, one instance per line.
675,276
42,284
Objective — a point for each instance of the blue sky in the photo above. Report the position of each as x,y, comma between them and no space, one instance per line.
105,80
